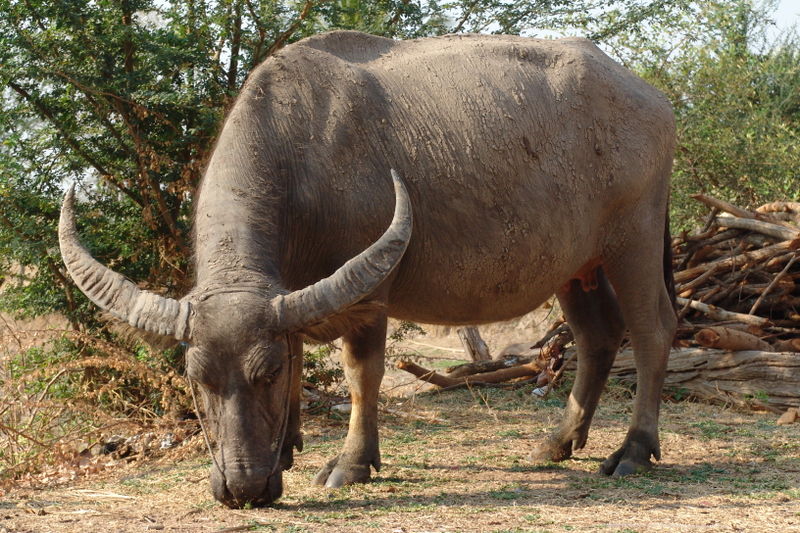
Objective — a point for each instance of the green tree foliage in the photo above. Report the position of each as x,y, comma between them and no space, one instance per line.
736,95
124,98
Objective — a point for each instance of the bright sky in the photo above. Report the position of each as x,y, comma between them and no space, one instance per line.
788,14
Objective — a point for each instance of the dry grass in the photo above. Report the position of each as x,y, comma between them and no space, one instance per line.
452,462
723,470
61,390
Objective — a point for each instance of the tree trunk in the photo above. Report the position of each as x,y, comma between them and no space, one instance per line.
473,344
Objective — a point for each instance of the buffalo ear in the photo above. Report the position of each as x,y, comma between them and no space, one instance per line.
353,318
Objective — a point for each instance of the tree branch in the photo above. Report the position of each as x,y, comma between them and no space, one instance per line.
280,42
262,33
47,114
236,44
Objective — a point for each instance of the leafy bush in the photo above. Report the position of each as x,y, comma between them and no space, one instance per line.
320,370
736,95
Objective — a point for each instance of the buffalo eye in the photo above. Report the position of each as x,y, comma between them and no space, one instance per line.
263,365
197,369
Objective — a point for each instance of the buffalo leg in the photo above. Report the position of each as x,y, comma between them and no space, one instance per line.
596,322
363,367
650,316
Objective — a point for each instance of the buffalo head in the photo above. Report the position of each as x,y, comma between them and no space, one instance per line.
244,351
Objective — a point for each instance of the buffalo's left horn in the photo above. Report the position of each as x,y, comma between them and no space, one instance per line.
112,291
355,279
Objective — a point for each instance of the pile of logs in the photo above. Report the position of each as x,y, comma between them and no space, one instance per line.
738,287
738,279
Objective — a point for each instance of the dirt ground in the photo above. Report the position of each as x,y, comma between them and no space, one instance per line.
457,461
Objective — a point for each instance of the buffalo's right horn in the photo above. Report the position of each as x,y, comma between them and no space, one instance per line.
112,291
354,280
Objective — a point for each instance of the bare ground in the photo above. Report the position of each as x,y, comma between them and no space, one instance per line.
457,461
465,469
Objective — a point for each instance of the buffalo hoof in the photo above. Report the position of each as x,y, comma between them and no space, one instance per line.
337,473
632,458
551,450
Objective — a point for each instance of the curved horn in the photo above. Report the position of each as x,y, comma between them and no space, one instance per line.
112,291
353,280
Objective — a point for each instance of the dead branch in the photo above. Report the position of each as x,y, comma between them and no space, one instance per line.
715,313
530,369
767,228
686,289
751,257
558,328
772,284
478,367
722,205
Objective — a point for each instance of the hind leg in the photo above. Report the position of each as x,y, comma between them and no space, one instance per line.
650,316
596,322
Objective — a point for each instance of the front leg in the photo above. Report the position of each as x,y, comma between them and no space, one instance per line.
362,357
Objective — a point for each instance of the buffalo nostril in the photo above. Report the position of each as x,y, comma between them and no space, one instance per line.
236,490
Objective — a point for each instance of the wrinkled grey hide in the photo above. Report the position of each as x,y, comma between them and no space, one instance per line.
532,167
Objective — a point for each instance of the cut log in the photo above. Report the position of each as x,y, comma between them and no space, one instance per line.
779,207
791,416
790,345
473,344
784,216
730,339
767,228
765,380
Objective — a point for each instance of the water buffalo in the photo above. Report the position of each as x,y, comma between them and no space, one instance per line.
532,167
